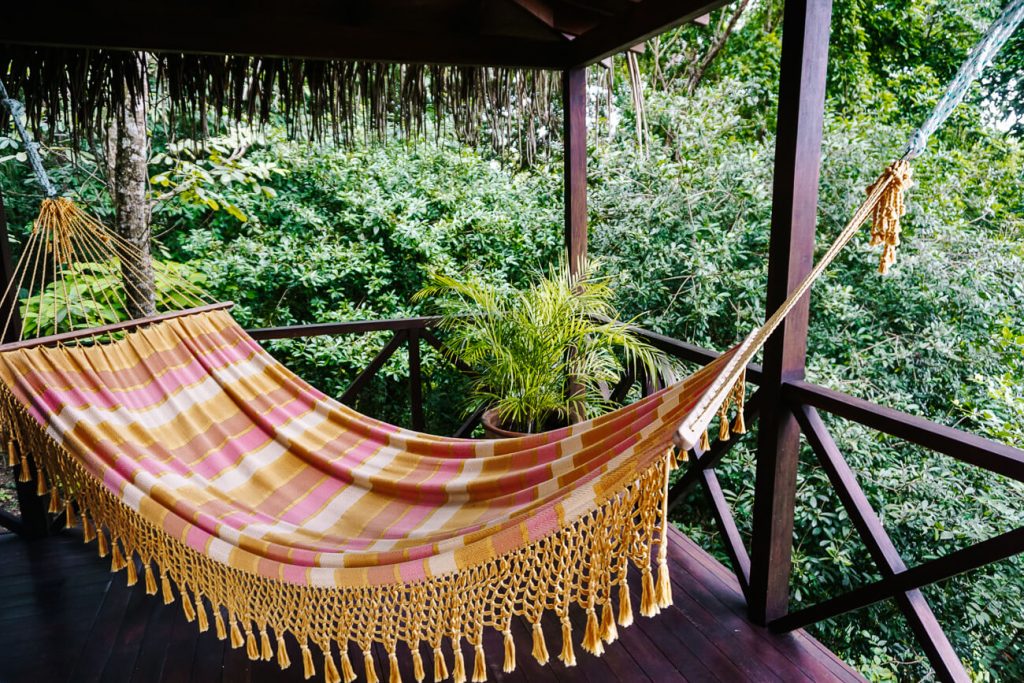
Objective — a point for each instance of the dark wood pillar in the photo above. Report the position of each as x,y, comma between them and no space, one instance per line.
574,105
805,36
34,521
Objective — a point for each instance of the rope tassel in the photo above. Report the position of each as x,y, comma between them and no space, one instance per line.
348,674
394,676
609,633
266,650
331,674
440,667
371,670
150,579
459,669
510,652
283,660
890,208
625,603
308,669
540,648
591,636
568,655
417,664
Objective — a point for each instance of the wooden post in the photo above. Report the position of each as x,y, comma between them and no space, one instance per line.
415,382
34,523
574,107
791,252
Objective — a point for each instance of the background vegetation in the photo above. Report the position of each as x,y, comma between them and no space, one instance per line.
300,232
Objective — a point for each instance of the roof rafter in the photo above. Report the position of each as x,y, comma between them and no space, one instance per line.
640,22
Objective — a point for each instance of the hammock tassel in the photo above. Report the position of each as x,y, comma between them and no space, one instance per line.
591,637
88,533
186,605
648,601
252,649
540,647
150,580
705,441
266,650
54,501
609,633
25,475
885,218
440,668
625,603
348,674
117,561
202,617
102,549
69,516
459,669
479,664
283,661
739,426
132,575
394,675
331,674
510,652
663,589
168,594
308,670
40,483
664,586
723,421
568,655
417,664
218,622
371,671
12,453
238,641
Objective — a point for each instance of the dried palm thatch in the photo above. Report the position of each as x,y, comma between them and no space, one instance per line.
80,89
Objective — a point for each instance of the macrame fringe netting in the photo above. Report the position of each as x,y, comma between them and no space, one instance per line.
585,563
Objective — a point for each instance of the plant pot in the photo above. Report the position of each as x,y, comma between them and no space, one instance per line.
493,429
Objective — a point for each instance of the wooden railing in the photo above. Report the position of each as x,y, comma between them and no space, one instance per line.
898,582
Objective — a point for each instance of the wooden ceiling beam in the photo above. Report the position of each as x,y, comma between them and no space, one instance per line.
262,34
640,22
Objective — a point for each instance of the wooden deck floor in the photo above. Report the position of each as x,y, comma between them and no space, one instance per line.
64,617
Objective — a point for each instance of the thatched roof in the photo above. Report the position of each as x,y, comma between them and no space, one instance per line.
335,68
79,88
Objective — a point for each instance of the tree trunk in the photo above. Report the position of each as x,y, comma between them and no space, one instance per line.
130,176
716,46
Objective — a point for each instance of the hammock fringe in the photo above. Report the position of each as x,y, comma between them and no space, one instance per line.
578,564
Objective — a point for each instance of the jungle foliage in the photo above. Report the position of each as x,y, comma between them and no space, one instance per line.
295,232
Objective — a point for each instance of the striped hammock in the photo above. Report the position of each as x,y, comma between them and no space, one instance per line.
266,507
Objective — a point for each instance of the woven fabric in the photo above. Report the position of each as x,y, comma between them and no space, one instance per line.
194,449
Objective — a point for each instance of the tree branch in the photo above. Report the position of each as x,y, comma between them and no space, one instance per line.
698,72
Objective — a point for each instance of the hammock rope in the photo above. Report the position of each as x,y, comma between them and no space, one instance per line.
182,448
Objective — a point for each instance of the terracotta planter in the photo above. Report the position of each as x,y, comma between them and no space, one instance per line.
493,429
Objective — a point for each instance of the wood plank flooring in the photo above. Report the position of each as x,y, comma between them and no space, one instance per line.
64,617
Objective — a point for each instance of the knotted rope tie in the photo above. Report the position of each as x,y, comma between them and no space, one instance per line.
885,217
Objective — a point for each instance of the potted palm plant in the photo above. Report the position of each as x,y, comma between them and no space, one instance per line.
542,356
